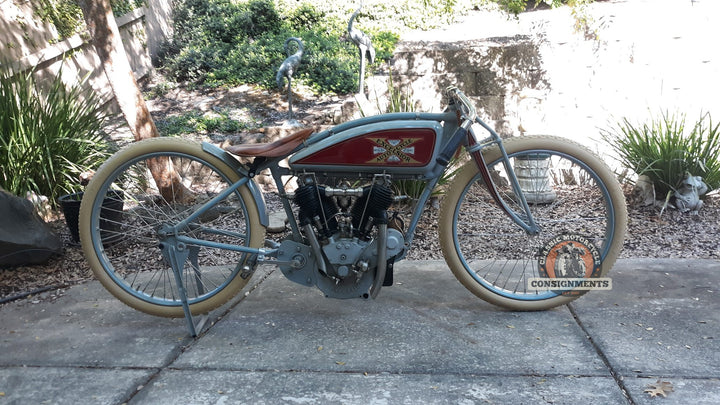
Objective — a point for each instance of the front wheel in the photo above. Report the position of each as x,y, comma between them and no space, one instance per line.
571,194
137,196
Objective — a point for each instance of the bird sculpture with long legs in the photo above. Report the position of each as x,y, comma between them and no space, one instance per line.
288,68
364,43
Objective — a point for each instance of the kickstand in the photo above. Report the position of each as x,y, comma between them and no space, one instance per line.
177,258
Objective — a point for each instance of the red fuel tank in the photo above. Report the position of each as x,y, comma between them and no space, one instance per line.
408,146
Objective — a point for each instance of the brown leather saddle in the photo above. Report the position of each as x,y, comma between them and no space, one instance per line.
271,150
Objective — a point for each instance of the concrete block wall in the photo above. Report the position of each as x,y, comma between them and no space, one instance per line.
501,76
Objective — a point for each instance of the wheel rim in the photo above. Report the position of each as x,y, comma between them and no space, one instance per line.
130,255
507,276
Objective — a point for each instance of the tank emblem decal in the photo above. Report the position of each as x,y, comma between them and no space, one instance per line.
386,150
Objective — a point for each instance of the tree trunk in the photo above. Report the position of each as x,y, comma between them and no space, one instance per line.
105,37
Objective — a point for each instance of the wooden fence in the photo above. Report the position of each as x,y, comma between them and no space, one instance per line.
28,43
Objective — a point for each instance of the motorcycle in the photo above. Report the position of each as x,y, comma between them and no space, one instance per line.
520,219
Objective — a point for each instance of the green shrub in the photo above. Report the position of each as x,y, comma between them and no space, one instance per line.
48,135
518,6
122,7
65,15
231,42
664,149
194,122
222,42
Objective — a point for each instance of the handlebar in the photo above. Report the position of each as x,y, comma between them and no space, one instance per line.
466,108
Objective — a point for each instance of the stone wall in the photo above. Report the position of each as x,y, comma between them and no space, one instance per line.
498,74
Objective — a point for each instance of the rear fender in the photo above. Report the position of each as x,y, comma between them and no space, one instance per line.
228,159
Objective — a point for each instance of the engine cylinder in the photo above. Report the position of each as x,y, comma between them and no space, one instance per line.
375,201
313,202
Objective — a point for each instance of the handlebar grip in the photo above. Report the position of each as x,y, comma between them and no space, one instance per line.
467,109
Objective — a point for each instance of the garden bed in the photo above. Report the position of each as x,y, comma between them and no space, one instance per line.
650,235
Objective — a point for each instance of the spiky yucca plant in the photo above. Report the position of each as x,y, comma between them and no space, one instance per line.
400,98
49,134
665,150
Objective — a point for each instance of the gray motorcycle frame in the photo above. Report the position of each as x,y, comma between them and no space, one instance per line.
344,266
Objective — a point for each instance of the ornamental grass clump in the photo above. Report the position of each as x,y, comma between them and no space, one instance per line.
50,133
666,149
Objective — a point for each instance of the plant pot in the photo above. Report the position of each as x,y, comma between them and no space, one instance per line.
532,173
110,214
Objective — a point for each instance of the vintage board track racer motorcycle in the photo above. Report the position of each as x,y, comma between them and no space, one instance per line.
176,228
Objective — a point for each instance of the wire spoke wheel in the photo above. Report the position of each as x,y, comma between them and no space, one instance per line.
571,193
129,209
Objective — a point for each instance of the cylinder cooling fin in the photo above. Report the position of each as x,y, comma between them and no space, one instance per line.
313,203
375,201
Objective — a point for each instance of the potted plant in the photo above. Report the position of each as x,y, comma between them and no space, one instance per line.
110,214
51,133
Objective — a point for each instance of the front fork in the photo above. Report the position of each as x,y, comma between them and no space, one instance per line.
474,147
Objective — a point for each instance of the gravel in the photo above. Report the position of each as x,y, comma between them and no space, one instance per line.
650,235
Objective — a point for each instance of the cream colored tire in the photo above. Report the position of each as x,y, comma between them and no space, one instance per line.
492,256
122,245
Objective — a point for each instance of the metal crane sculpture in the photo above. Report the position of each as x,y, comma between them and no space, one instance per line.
363,43
288,68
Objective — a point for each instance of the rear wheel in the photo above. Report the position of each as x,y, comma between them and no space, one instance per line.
571,194
124,215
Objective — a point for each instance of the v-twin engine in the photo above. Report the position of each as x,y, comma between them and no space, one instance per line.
348,241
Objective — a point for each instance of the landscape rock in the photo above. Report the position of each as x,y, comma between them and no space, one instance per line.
24,237
644,191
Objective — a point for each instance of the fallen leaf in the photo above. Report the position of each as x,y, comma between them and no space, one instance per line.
340,363
660,387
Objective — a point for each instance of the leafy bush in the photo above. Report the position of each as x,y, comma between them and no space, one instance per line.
518,6
231,42
65,15
48,135
665,150
193,122
223,42
122,7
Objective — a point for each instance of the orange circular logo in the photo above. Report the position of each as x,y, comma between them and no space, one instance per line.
569,256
